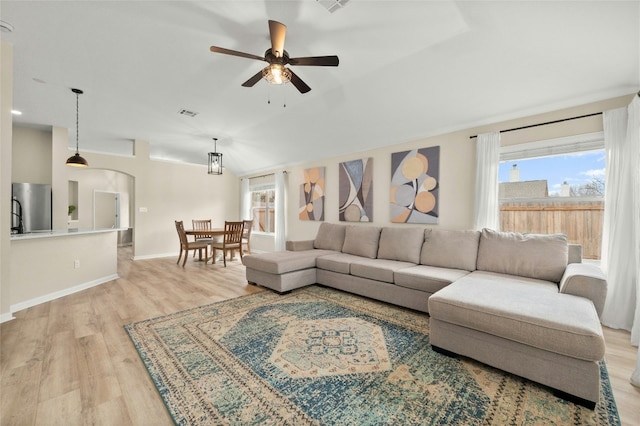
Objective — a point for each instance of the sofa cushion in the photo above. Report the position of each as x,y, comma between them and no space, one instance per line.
338,262
427,278
361,240
401,244
377,269
540,256
524,310
450,249
280,262
330,236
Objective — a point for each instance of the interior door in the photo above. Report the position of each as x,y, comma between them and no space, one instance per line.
106,210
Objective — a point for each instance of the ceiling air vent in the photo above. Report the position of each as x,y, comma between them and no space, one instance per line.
333,5
187,113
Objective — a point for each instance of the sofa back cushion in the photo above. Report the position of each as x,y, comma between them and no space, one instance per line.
401,244
450,248
330,237
361,240
540,256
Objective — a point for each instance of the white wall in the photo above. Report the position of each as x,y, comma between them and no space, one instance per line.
6,103
162,193
457,168
31,157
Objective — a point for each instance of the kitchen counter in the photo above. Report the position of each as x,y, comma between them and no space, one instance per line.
61,233
46,265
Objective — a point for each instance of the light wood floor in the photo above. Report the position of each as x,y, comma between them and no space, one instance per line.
70,362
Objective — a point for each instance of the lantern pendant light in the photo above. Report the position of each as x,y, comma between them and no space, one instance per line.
76,160
215,160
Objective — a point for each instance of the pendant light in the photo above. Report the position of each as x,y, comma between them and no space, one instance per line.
76,160
215,160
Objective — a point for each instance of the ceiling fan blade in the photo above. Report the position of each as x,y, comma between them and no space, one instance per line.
323,61
277,31
297,81
224,51
253,80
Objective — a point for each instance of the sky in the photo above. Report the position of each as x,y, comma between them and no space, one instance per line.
575,169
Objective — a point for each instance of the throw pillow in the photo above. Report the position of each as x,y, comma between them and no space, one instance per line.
450,249
540,256
361,240
330,237
401,244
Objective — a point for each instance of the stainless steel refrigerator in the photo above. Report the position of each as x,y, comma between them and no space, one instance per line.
30,207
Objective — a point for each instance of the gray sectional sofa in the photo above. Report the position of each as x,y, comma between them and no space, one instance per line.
523,303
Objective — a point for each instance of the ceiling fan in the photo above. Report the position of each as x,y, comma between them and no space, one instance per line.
277,72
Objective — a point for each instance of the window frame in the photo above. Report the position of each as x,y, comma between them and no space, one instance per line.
552,147
270,187
588,142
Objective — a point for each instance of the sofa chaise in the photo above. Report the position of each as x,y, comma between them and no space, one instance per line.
523,303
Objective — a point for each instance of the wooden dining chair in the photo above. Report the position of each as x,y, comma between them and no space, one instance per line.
232,240
246,236
186,245
201,225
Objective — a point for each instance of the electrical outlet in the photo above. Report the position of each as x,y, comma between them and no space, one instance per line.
76,264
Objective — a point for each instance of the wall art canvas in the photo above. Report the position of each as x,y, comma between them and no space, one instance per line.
312,194
415,185
356,190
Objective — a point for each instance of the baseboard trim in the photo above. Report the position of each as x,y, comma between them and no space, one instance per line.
161,255
6,317
58,294
155,256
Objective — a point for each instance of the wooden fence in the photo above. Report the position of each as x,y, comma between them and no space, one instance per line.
580,219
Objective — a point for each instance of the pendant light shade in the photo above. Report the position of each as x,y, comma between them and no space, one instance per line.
215,160
76,160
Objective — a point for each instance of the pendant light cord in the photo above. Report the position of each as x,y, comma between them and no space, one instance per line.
76,160
77,121
78,92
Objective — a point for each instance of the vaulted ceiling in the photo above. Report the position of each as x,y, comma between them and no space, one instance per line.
408,69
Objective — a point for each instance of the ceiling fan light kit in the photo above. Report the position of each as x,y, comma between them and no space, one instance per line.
277,72
76,160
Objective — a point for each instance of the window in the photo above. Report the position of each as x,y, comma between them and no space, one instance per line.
263,209
555,186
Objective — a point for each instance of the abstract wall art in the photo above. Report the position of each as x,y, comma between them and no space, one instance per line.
312,194
356,190
415,185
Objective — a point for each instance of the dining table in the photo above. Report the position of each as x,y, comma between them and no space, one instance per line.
213,232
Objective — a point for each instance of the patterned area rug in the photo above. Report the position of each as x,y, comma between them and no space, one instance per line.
320,356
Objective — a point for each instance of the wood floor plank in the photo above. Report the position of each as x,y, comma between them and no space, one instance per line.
63,410
25,343
621,361
60,373
70,361
20,387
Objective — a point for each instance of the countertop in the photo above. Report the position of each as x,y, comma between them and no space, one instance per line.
61,233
